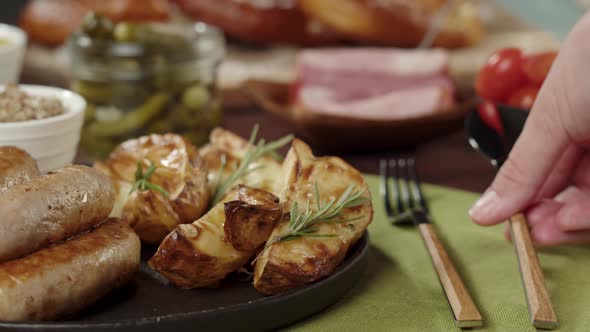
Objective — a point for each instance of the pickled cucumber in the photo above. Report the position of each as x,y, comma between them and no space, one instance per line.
94,92
142,78
132,120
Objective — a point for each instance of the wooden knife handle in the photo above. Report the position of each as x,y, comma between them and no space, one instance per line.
538,300
464,309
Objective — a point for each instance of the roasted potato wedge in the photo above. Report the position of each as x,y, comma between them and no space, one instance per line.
286,265
180,171
226,145
223,240
247,226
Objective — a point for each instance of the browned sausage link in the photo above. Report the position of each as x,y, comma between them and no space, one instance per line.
65,278
16,166
52,208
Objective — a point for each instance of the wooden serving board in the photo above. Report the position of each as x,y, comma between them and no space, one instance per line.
275,64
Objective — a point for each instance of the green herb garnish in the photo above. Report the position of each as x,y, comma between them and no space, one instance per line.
254,151
304,223
142,180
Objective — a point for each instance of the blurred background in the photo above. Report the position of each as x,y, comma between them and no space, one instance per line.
357,78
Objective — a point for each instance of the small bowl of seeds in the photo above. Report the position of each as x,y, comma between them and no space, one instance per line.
44,121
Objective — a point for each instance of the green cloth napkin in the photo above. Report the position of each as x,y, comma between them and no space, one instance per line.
400,291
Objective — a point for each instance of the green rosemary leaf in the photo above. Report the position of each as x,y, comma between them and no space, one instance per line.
134,187
142,180
340,221
138,172
304,222
293,216
254,151
320,235
253,134
157,188
357,202
288,238
307,231
151,169
275,145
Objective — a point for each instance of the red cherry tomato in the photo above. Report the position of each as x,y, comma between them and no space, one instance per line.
501,75
489,114
524,97
536,67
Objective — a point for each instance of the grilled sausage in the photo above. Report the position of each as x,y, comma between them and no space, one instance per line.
51,208
65,278
16,166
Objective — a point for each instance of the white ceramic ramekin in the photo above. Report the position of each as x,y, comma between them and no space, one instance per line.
11,53
52,141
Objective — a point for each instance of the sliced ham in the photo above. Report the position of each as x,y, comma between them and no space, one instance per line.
396,104
373,61
373,83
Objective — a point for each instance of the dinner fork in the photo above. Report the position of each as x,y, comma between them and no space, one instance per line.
400,183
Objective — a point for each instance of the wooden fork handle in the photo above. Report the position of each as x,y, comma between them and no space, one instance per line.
464,308
538,300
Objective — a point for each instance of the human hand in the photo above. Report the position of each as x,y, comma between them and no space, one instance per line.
547,173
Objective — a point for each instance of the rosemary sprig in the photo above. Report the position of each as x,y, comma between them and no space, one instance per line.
142,180
255,150
304,223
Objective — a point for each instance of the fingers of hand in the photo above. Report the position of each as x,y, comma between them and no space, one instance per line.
538,214
574,215
561,174
551,221
558,121
549,233
525,172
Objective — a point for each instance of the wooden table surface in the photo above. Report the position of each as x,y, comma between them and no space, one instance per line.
447,161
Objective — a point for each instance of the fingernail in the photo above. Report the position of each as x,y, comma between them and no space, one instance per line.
484,205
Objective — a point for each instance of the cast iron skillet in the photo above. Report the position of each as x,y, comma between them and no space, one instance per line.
148,304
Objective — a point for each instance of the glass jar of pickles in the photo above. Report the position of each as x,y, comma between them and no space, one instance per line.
145,78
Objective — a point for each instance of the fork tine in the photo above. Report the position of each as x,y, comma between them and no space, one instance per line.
416,186
395,187
385,190
404,183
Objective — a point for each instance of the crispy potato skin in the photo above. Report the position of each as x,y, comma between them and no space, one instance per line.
180,171
51,208
200,255
250,219
287,265
16,166
61,280
150,214
225,144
